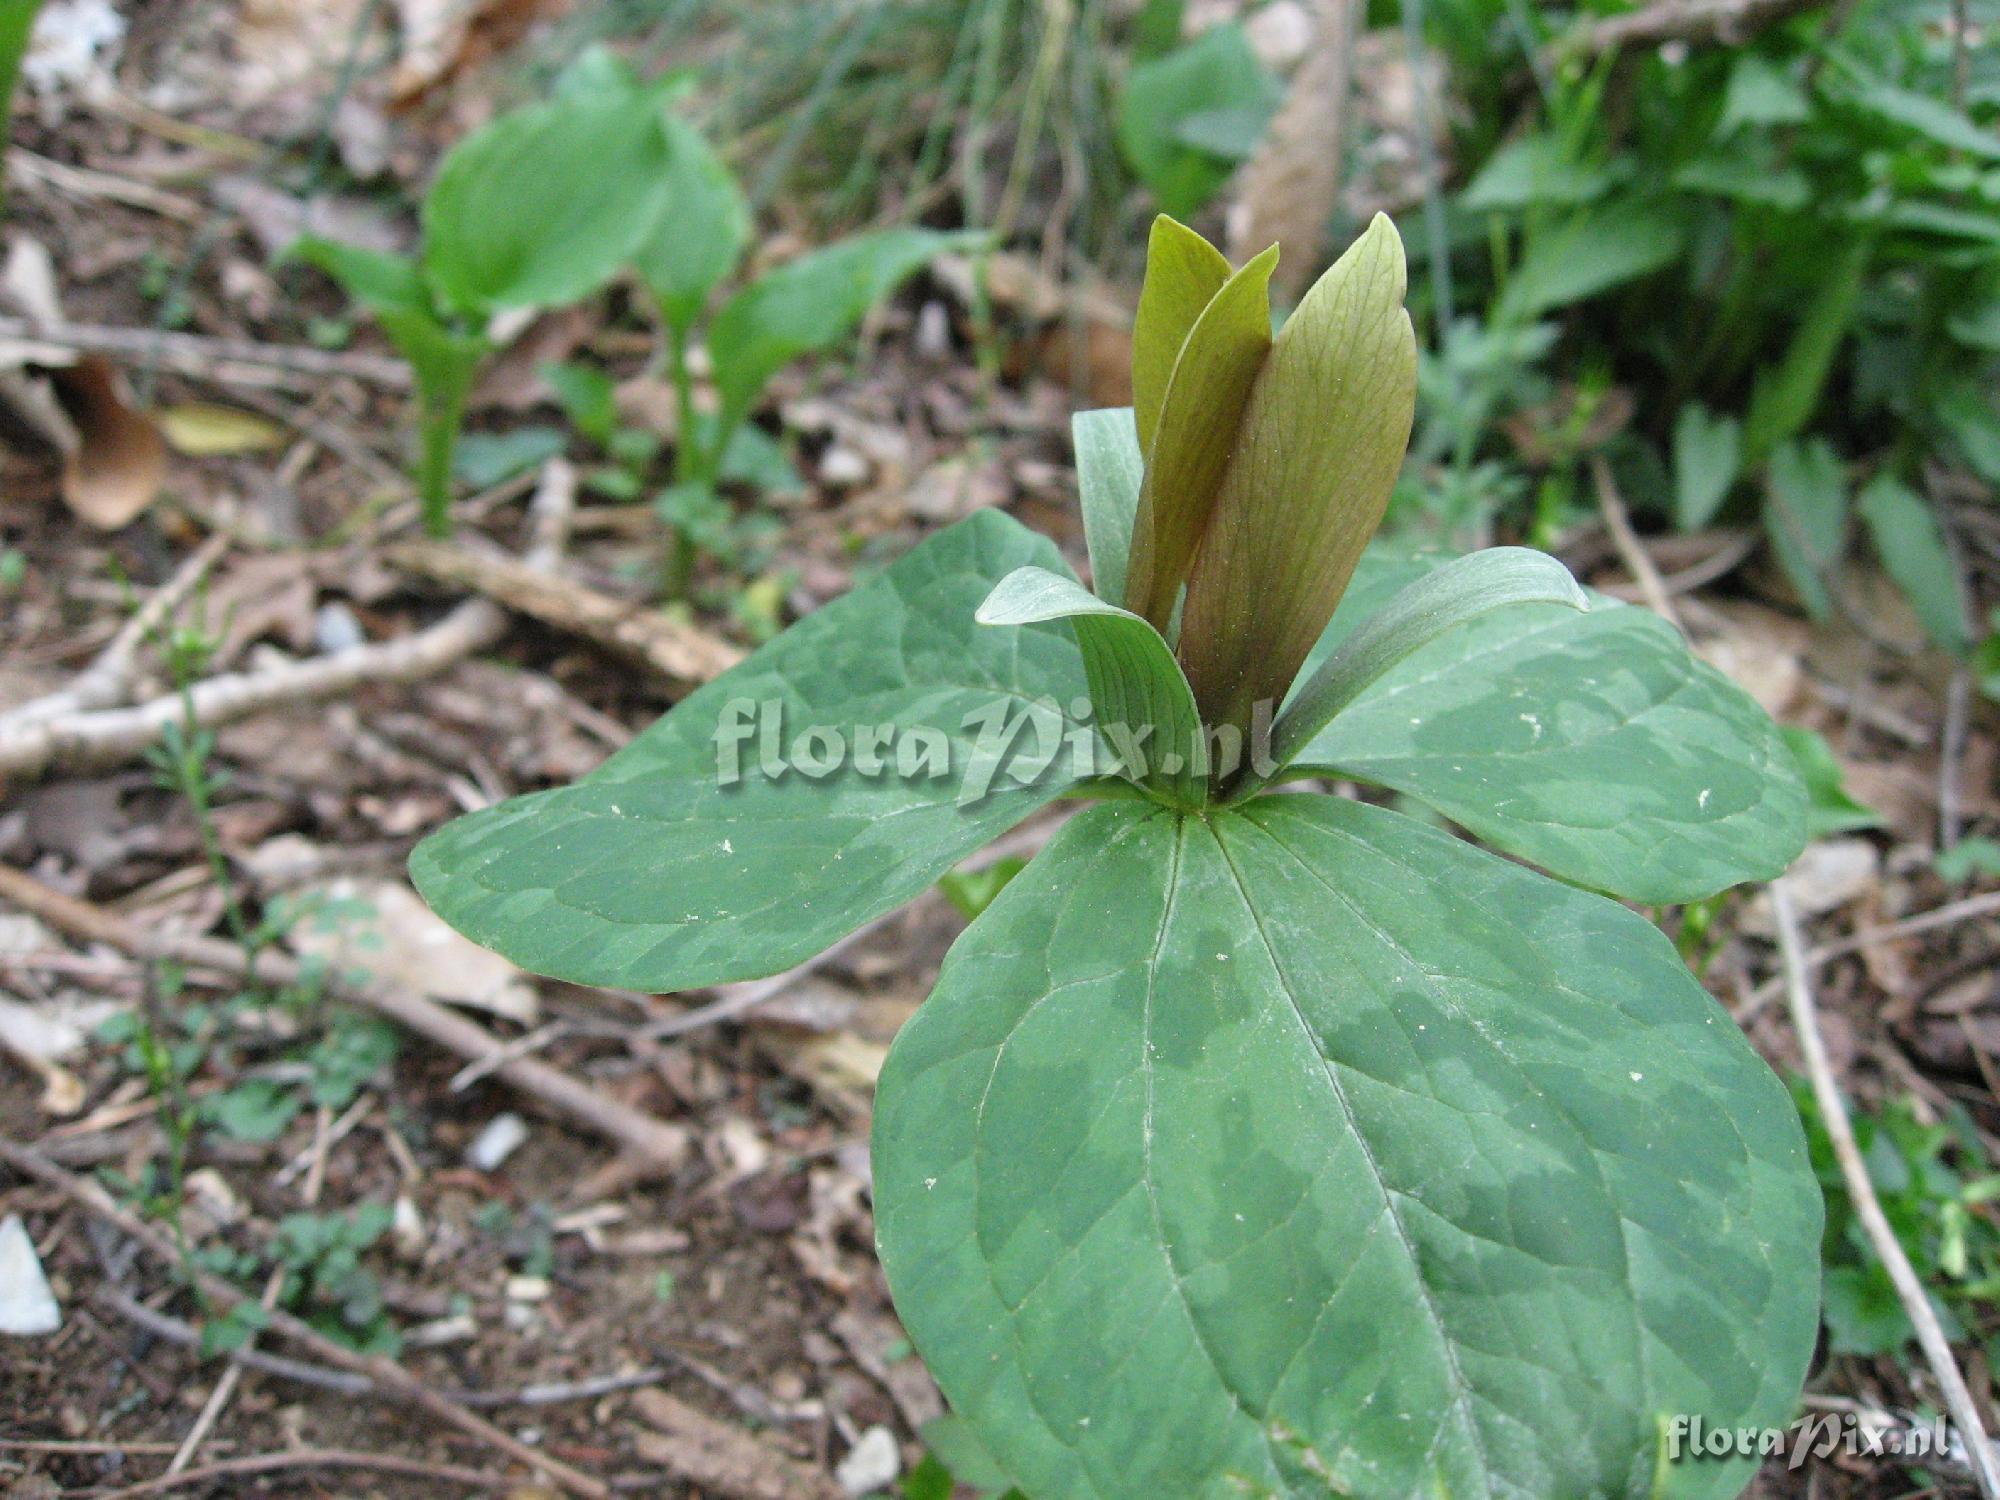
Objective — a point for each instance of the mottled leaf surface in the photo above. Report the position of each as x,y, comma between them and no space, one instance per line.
1307,1150
1592,744
651,874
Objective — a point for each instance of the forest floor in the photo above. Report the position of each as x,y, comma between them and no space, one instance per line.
711,1322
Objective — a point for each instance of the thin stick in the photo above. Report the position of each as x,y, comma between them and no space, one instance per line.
655,1142
387,1376
1618,521
108,679
313,1458
1868,1208
94,740
204,357
1944,916
546,1393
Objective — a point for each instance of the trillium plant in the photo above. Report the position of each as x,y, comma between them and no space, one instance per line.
1255,1141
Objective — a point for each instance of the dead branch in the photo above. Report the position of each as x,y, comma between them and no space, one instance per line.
1631,551
720,1457
637,631
95,739
202,356
386,1375
1713,22
107,681
313,1458
653,1142
1868,1208
346,1383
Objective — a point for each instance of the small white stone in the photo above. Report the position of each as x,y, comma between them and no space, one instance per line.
27,1306
871,1464
501,1138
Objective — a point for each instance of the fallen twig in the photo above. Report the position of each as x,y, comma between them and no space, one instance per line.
107,681
386,1375
1726,22
312,1458
344,1382
720,1457
655,1143
639,631
203,356
93,740
1868,1208
1618,521
1944,916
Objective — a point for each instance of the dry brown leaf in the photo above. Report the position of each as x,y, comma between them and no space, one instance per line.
116,468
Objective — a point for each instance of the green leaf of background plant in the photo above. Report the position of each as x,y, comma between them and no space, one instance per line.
1310,1150
1805,518
1109,470
696,244
1140,700
1913,551
1455,594
1195,435
1536,169
1593,745
1183,274
1314,458
1589,253
1829,809
1761,92
541,207
1707,450
809,304
1218,70
377,279
1784,396
1929,116
648,874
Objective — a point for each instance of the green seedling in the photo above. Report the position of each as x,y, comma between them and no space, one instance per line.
538,209
1254,1141
804,306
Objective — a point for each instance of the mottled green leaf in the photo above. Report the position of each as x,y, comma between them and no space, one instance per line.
809,304
1308,477
661,870
1591,744
697,242
1141,704
1109,470
1424,609
1195,436
1306,1150
1913,550
544,205
1183,274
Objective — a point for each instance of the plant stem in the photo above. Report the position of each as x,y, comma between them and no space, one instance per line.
438,435
691,464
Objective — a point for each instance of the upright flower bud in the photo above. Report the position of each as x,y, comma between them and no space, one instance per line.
1309,469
